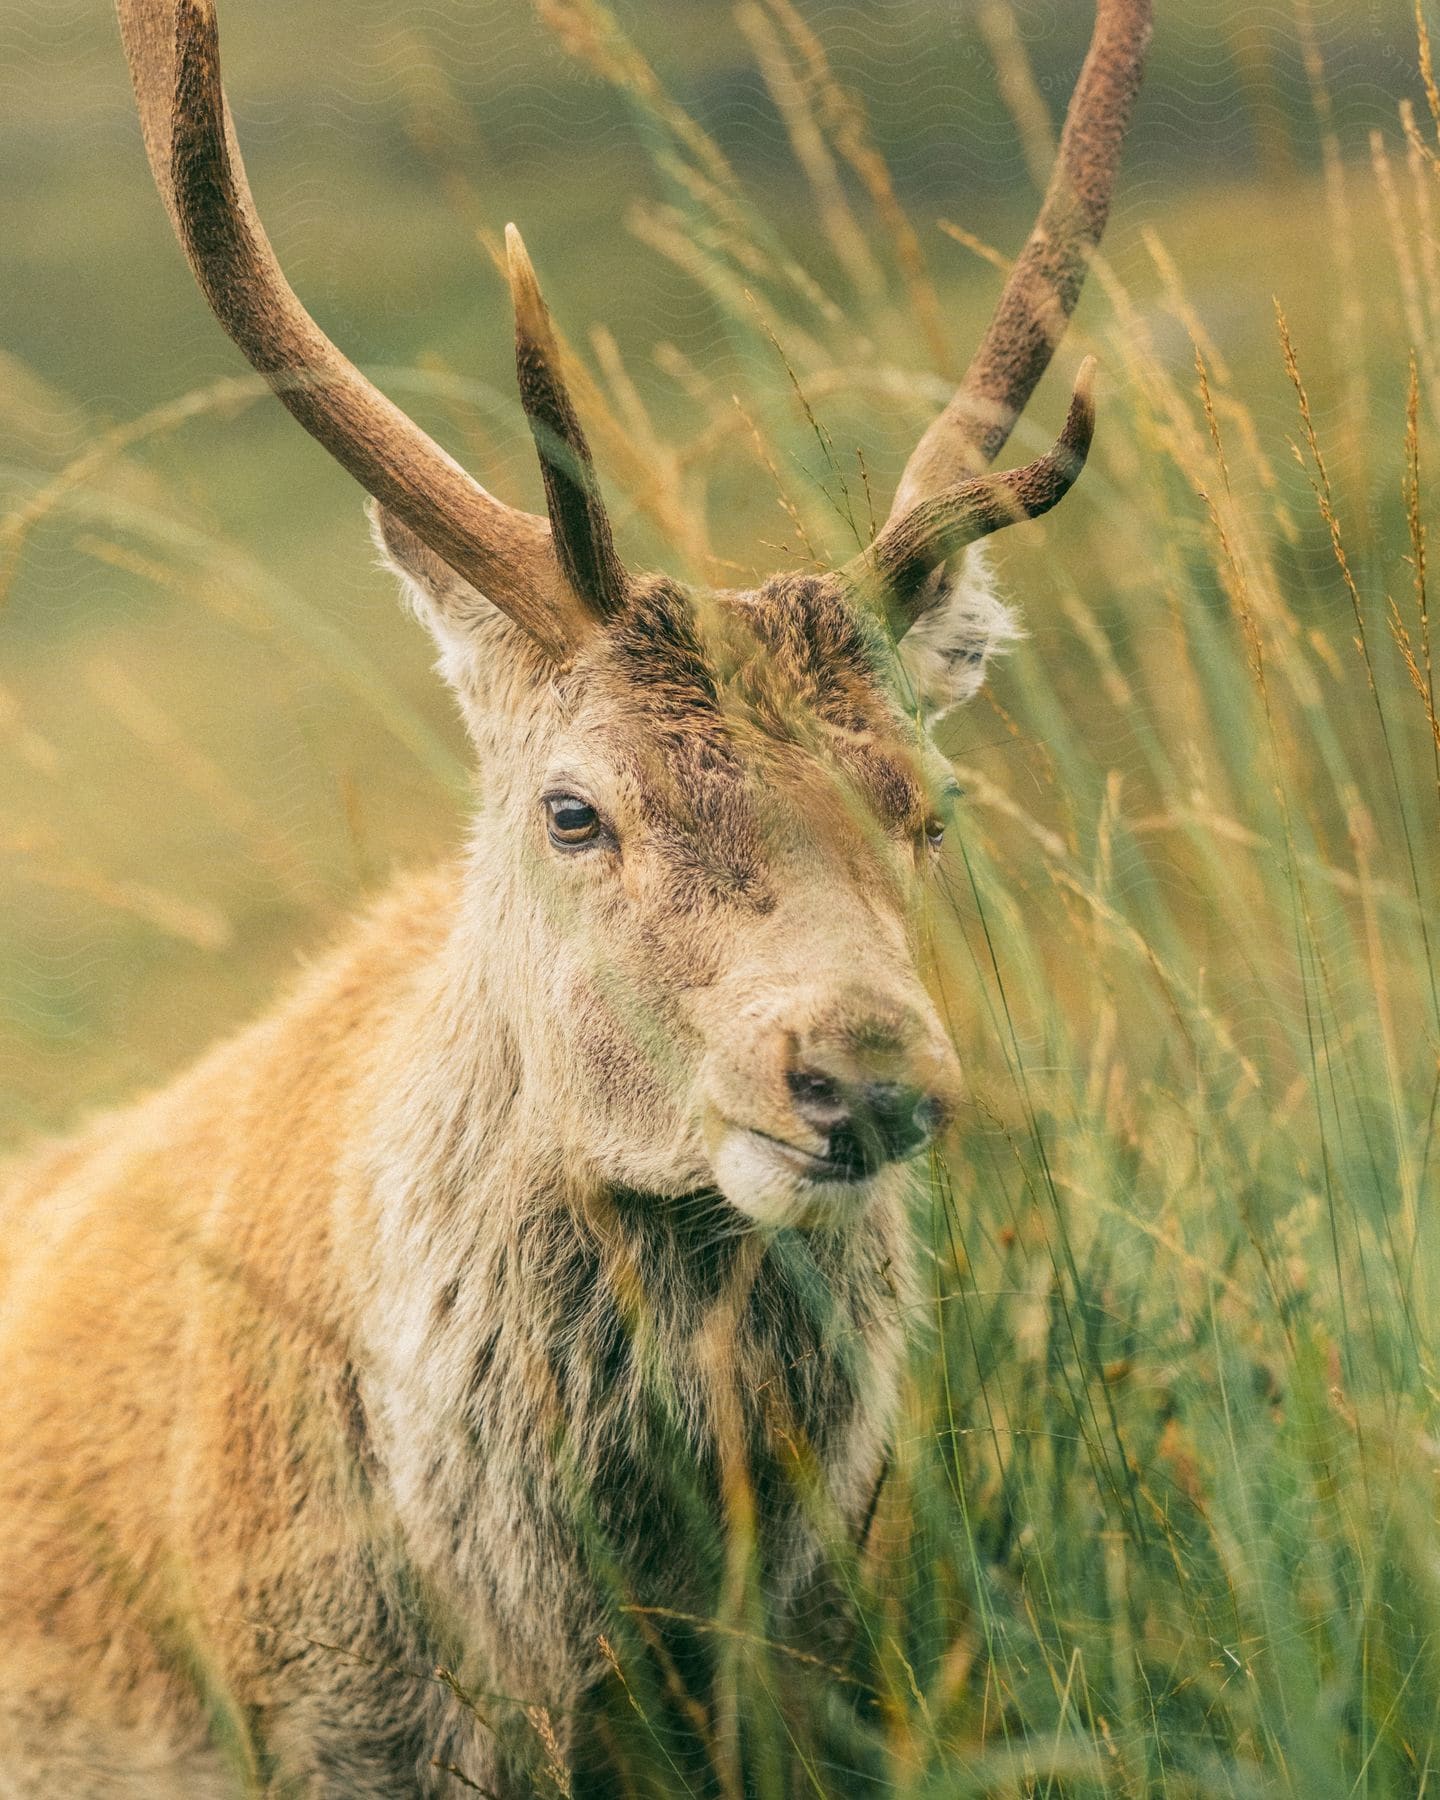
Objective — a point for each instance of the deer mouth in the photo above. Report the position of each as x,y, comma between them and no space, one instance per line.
776,1182
827,1139
853,1164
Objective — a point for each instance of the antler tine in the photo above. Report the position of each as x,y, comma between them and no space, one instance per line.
579,525
1045,283
507,554
892,573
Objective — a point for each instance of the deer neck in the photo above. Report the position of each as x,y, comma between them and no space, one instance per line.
512,1291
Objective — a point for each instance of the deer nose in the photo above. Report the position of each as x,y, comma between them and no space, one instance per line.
865,1123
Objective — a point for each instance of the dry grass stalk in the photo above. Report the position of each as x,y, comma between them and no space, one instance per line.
141,715
1421,671
194,922
728,228
1422,164
1179,304
840,504
1324,494
782,497
1427,65
843,117
1401,241
108,447
1237,583
837,218
696,164
995,21
591,34
21,740
690,533
670,235
1348,318
977,245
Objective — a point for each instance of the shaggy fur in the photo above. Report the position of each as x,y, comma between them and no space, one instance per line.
456,1301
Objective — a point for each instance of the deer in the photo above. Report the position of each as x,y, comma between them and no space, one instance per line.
379,1361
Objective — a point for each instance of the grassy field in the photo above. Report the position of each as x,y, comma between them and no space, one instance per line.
1163,1516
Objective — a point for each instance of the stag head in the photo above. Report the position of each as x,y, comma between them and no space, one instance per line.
708,818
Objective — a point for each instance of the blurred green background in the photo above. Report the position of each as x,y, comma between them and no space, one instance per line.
216,727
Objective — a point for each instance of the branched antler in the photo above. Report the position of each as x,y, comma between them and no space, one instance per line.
1045,283
892,573
944,500
559,581
510,556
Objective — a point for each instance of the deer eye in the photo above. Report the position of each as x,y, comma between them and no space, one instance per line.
572,822
934,832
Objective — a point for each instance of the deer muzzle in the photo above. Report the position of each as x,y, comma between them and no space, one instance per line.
822,1098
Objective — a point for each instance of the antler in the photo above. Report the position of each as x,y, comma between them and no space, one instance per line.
559,581
572,492
937,510
892,573
536,575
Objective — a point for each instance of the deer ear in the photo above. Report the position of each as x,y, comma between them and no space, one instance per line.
962,625
445,603
471,634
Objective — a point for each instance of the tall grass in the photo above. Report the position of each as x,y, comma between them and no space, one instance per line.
1161,1517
